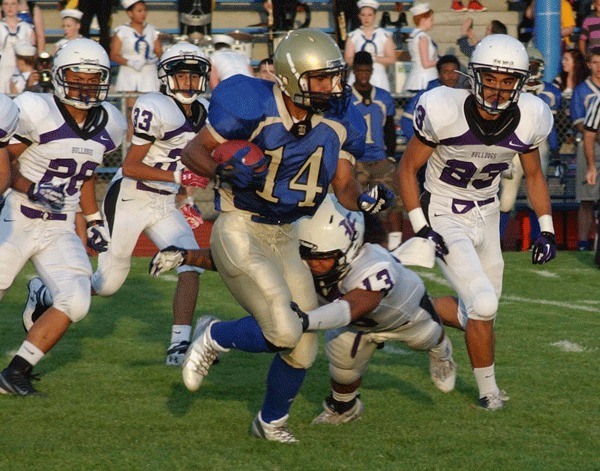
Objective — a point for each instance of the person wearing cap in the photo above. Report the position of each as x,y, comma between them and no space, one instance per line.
71,24
376,41
12,31
26,76
226,62
423,51
136,48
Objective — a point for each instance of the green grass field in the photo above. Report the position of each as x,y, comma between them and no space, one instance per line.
112,404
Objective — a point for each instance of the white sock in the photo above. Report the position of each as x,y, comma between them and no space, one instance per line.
30,353
486,380
181,333
344,397
394,240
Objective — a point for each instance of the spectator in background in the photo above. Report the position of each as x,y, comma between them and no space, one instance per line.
26,76
376,41
188,6
567,24
379,160
447,67
31,13
423,51
71,25
226,62
468,40
136,48
265,70
12,31
574,71
474,5
103,11
583,95
590,30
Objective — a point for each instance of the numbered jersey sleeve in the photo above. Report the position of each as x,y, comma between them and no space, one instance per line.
147,118
9,118
374,269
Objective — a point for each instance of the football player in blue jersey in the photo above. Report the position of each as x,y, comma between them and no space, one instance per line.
310,137
378,162
60,140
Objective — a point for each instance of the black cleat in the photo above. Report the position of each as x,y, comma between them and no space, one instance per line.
16,382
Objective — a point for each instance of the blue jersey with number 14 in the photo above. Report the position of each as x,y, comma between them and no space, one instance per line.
300,168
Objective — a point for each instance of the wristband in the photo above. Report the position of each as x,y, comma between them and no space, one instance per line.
177,176
417,219
546,224
93,217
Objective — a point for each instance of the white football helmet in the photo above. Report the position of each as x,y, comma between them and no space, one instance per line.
502,54
183,57
81,55
332,232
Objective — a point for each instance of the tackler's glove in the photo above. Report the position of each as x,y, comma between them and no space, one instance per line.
376,199
301,314
167,259
240,175
544,249
441,248
98,236
48,195
191,179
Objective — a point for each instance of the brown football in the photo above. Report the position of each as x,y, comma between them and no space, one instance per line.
224,152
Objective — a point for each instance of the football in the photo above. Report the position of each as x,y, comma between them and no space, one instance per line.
224,152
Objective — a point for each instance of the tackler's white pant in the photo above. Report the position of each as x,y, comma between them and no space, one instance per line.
261,266
349,349
50,242
130,211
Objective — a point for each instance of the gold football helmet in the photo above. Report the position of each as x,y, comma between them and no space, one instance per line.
307,53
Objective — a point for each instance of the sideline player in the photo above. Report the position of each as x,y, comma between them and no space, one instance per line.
467,138
60,140
379,161
141,197
310,137
367,297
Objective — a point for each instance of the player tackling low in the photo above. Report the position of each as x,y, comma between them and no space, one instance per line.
467,138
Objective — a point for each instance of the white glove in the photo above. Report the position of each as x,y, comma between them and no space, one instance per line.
167,259
137,64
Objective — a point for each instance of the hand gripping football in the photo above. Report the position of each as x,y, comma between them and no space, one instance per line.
248,153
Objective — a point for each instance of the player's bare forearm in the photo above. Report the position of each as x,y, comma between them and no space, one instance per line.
18,181
200,258
415,156
346,188
362,302
589,138
535,182
88,196
4,171
196,154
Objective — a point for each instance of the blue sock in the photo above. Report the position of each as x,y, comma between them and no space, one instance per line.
283,384
504,219
244,334
534,226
